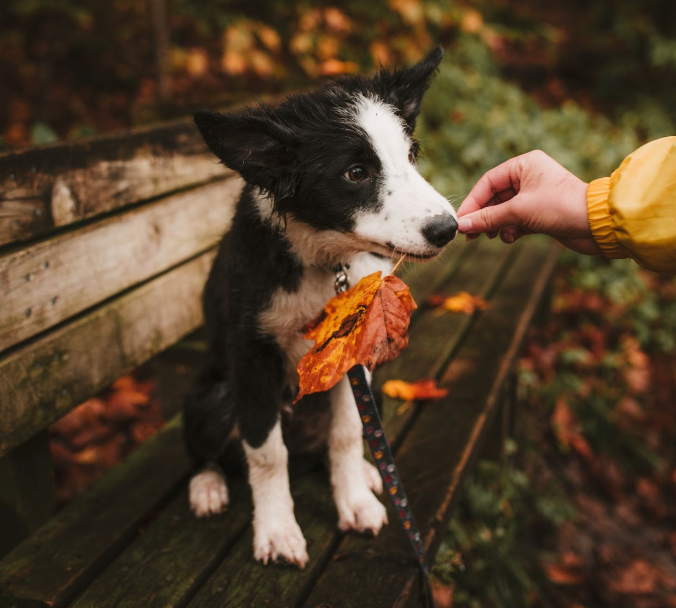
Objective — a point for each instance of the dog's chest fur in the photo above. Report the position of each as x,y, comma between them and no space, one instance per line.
290,311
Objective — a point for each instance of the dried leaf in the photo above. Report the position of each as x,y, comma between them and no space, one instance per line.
567,430
460,302
562,575
365,325
414,391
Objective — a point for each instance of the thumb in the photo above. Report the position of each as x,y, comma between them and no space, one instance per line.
488,219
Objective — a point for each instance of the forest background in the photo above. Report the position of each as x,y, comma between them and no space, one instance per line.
581,512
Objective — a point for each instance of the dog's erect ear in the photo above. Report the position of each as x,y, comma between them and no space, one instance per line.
253,143
404,88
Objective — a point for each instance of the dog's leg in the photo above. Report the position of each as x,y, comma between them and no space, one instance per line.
277,536
358,509
208,492
257,381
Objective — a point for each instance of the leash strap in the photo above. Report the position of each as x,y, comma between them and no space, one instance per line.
375,437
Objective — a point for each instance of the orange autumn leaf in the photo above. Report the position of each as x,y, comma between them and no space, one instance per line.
366,325
460,302
562,575
413,391
567,430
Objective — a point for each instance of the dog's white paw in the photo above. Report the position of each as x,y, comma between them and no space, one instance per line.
208,493
280,541
373,479
363,513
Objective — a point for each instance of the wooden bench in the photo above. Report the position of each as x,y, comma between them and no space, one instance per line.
104,247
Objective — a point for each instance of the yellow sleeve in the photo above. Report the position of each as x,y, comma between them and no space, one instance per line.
632,213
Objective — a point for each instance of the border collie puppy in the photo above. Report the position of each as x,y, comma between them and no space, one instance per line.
331,186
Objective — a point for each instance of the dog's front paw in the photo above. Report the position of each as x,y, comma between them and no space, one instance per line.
363,513
208,493
373,479
276,541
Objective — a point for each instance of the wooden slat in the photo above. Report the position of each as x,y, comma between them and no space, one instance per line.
427,353
436,454
476,267
172,557
50,186
65,554
27,491
51,281
41,381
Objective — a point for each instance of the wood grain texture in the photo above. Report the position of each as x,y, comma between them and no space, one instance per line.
50,186
51,281
473,266
65,554
171,559
27,491
41,381
436,454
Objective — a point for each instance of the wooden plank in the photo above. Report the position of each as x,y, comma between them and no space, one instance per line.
171,559
426,355
51,281
50,186
436,454
27,491
241,581
63,556
41,381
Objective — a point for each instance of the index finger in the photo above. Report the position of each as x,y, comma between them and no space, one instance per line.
494,187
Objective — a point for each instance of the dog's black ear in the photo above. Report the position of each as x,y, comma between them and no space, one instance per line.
255,144
404,88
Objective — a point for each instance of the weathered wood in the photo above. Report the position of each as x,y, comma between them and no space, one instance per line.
434,337
435,455
51,281
27,492
46,187
171,559
41,381
240,581
475,267
63,556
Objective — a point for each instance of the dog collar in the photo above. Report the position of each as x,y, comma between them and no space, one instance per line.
342,282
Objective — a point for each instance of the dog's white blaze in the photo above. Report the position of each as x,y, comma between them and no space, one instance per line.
409,201
276,532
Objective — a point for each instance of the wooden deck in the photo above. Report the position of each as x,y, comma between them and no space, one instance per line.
132,541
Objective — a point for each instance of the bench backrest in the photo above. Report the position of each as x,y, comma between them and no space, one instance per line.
105,245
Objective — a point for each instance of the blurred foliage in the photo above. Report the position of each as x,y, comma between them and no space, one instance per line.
482,557
473,120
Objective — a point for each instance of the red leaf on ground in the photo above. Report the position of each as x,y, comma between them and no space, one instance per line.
414,391
562,575
462,301
567,430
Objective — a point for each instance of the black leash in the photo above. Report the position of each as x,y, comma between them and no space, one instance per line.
375,437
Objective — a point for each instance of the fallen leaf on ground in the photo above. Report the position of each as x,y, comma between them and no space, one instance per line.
640,577
562,575
443,594
567,430
414,391
460,302
365,325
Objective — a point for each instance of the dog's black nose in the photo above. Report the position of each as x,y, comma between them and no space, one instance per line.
440,229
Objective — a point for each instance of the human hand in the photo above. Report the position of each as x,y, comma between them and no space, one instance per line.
531,193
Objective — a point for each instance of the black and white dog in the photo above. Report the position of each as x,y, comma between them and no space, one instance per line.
331,180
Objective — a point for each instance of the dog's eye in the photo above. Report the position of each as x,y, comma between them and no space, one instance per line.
411,157
356,174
